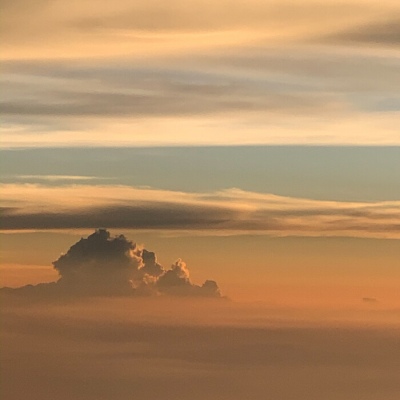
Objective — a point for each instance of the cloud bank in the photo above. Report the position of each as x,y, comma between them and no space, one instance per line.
101,265
233,211
123,349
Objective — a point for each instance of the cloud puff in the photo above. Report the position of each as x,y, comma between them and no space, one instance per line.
101,265
150,265
176,281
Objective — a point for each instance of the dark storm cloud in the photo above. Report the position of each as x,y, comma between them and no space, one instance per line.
101,265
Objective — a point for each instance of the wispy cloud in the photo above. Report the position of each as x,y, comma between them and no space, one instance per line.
243,96
147,27
375,32
55,178
200,73
231,211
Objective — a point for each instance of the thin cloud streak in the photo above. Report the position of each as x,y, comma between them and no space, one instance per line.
386,32
31,206
56,178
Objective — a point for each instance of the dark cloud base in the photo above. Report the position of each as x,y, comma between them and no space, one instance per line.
138,215
366,219
101,265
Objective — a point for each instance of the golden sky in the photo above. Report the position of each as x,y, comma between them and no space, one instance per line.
95,73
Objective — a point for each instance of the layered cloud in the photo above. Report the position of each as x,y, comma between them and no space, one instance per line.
102,265
231,211
121,26
200,73
247,94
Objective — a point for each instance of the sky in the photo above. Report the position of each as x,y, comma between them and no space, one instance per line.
141,73
200,192
283,224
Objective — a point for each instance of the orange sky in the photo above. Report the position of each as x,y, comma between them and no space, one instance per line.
297,272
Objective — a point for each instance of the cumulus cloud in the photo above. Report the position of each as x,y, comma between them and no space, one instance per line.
150,265
102,265
176,281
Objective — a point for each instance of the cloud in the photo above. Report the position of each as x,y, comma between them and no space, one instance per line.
122,348
385,33
101,265
256,79
178,17
72,92
176,281
54,178
183,74
150,265
261,93
228,211
369,300
153,20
